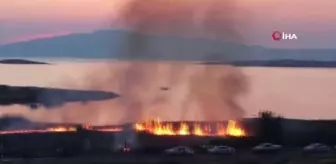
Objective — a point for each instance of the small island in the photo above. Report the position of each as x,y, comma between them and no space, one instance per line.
20,61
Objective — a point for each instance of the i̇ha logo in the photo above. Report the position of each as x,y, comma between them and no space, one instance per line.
277,36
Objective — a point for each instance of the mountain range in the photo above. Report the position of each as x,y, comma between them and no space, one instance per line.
120,44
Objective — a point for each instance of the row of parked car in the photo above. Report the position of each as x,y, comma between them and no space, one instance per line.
261,148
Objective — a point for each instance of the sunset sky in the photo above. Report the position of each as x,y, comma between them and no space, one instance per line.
313,22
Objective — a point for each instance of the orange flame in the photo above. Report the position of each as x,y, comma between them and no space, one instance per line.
234,130
108,129
159,128
198,130
57,129
62,129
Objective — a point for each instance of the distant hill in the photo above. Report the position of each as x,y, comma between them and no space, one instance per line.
12,121
278,63
49,98
20,123
20,61
115,44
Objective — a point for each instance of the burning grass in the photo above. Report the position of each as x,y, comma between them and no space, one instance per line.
47,130
155,127
158,127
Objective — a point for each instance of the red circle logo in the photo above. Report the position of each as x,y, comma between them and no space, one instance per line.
276,35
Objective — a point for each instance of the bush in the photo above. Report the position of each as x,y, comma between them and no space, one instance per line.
270,127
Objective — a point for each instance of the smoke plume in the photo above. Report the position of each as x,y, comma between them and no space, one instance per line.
209,91
193,92
212,90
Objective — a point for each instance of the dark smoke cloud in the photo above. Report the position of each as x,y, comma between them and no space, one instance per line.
214,90
210,90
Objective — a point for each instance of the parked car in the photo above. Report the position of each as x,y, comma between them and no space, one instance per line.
222,150
316,148
267,147
179,150
207,147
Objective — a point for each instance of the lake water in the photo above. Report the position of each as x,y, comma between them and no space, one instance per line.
304,93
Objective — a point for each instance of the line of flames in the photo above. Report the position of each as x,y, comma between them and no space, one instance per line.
159,128
57,129
155,127
60,129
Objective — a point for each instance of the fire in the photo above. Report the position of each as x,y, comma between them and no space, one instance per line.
114,129
159,128
198,130
155,127
57,129
234,130
62,129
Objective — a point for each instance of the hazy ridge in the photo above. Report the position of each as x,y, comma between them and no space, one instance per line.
111,43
